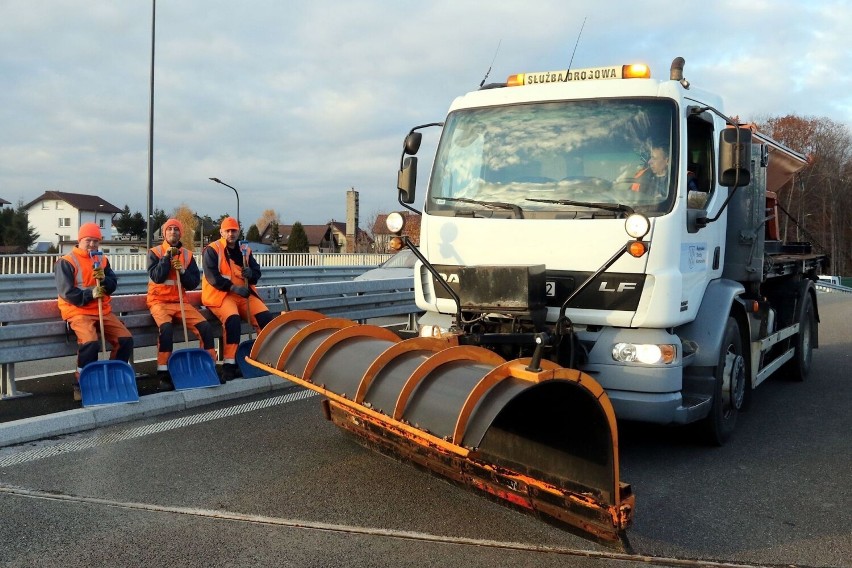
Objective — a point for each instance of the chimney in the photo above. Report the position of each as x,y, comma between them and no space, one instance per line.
351,219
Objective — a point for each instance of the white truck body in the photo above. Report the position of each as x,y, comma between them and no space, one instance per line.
505,151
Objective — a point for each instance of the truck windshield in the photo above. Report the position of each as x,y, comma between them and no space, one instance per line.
556,159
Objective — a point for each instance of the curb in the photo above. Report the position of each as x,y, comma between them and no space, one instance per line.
81,419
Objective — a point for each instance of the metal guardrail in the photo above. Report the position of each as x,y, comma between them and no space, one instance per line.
823,286
25,287
43,263
34,330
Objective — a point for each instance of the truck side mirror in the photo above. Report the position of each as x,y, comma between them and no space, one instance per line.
735,157
406,180
412,143
696,219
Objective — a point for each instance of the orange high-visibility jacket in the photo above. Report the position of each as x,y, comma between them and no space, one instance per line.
167,291
82,268
212,296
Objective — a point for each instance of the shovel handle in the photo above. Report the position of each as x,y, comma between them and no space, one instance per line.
248,285
182,312
101,321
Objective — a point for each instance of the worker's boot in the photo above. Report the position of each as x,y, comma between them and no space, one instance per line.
165,383
229,371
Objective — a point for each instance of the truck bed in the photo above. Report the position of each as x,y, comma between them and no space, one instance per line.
785,259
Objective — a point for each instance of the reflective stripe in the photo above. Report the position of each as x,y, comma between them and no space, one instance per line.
78,274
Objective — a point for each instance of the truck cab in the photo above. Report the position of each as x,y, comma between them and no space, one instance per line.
526,222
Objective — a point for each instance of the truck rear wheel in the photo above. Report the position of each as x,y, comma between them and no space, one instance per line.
730,390
799,367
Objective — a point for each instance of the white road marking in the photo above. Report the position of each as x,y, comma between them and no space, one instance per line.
368,531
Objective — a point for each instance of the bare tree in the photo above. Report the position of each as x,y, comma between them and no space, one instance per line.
267,217
189,221
820,200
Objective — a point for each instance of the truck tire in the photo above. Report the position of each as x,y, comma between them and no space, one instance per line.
799,367
730,389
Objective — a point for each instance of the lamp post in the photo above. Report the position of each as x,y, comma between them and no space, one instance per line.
151,131
217,180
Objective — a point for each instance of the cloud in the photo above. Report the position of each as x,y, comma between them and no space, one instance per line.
295,103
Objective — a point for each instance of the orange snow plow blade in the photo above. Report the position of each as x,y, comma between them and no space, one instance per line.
542,441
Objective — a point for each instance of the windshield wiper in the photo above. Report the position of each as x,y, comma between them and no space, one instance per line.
617,207
516,209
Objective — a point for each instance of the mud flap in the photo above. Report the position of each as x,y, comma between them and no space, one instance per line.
544,442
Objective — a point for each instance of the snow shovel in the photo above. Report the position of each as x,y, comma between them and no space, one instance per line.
191,368
108,381
244,350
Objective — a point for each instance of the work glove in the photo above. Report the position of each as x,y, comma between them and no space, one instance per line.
177,264
240,291
98,292
174,251
98,274
248,273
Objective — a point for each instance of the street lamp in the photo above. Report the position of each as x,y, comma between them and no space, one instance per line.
148,226
217,180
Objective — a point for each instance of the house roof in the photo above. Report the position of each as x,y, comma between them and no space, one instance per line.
315,233
78,201
4,202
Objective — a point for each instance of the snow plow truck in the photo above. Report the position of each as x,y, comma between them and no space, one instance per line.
595,245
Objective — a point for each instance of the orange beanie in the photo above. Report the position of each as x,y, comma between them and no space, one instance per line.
89,230
172,223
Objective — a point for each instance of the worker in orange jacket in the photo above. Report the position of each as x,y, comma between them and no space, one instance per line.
228,290
79,285
166,263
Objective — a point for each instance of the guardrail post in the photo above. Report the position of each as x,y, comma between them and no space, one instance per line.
8,389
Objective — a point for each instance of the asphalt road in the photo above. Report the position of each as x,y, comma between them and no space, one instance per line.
267,481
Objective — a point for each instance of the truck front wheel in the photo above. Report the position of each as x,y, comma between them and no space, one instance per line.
730,390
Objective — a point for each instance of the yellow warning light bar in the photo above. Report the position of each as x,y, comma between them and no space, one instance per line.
634,71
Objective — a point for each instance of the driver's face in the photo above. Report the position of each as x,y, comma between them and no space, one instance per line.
658,162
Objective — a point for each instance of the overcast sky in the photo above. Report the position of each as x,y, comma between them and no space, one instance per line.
294,102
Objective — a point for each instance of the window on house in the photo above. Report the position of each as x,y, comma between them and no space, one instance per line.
101,223
45,205
59,205
65,222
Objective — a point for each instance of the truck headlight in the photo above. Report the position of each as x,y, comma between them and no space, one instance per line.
432,331
649,354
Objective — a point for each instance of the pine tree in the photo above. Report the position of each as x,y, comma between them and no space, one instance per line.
298,240
253,234
15,229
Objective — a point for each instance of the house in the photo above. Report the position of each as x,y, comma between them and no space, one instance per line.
410,229
330,238
60,214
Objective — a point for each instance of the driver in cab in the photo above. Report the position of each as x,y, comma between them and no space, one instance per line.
653,181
